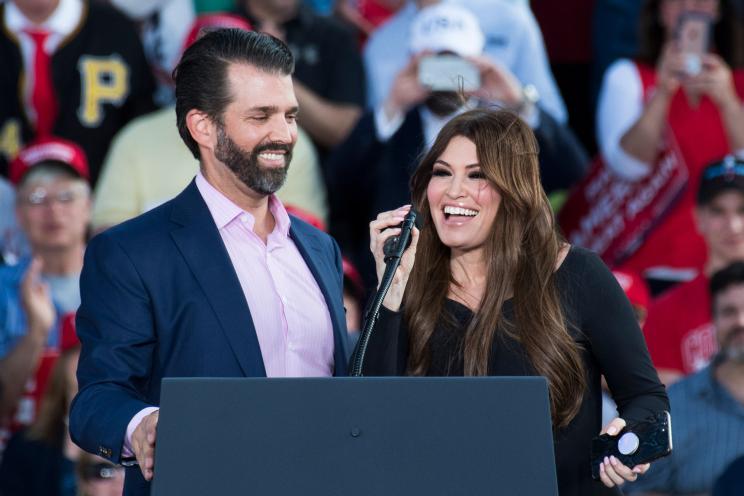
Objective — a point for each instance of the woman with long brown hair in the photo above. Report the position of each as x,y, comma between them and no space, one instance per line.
495,291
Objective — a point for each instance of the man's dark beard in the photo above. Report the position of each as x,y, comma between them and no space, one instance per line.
444,103
245,164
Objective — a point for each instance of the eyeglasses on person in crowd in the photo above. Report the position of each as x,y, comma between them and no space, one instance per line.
43,196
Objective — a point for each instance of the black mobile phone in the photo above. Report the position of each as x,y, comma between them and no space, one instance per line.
642,442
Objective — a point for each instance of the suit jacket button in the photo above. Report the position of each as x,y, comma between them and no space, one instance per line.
105,452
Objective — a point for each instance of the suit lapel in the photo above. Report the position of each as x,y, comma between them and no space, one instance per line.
199,241
325,274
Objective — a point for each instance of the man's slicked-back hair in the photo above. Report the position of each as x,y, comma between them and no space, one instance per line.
201,75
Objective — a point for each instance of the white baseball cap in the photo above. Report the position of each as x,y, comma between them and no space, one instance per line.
447,27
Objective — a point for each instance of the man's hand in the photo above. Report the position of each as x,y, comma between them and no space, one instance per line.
37,302
143,444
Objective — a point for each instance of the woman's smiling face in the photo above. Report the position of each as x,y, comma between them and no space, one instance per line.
462,201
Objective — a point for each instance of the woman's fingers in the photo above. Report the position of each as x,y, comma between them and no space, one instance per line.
611,471
387,234
604,477
379,229
414,238
386,219
622,470
614,426
381,223
641,469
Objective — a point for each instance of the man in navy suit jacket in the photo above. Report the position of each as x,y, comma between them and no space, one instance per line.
217,282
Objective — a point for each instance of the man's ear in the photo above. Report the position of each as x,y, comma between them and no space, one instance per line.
202,128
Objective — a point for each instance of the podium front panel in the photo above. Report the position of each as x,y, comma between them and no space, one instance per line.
355,437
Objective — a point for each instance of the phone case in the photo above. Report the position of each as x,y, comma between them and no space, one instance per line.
693,37
639,443
448,73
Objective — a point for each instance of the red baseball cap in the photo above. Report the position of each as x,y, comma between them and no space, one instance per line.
46,149
635,288
214,21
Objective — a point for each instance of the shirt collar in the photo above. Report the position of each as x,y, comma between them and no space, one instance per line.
704,382
705,385
224,211
63,21
281,217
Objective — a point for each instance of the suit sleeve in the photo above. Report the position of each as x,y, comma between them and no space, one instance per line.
116,330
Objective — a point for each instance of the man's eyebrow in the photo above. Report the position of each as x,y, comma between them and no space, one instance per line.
273,109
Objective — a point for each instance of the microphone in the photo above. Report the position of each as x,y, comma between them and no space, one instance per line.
393,250
395,245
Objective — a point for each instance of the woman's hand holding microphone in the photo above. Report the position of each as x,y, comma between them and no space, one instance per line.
382,228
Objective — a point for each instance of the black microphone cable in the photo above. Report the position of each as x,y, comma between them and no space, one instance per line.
393,249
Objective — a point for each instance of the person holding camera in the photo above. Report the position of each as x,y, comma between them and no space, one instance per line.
446,75
680,100
513,37
488,287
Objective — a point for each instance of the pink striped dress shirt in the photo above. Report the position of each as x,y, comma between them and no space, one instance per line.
289,311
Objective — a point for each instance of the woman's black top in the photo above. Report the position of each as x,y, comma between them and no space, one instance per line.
601,322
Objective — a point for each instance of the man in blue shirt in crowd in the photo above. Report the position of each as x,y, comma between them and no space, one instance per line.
708,406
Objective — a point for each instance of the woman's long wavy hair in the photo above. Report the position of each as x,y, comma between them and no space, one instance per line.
727,36
521,254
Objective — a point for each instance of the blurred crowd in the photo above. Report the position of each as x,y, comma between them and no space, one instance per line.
637,105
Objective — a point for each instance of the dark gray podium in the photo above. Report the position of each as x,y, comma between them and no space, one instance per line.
355,437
